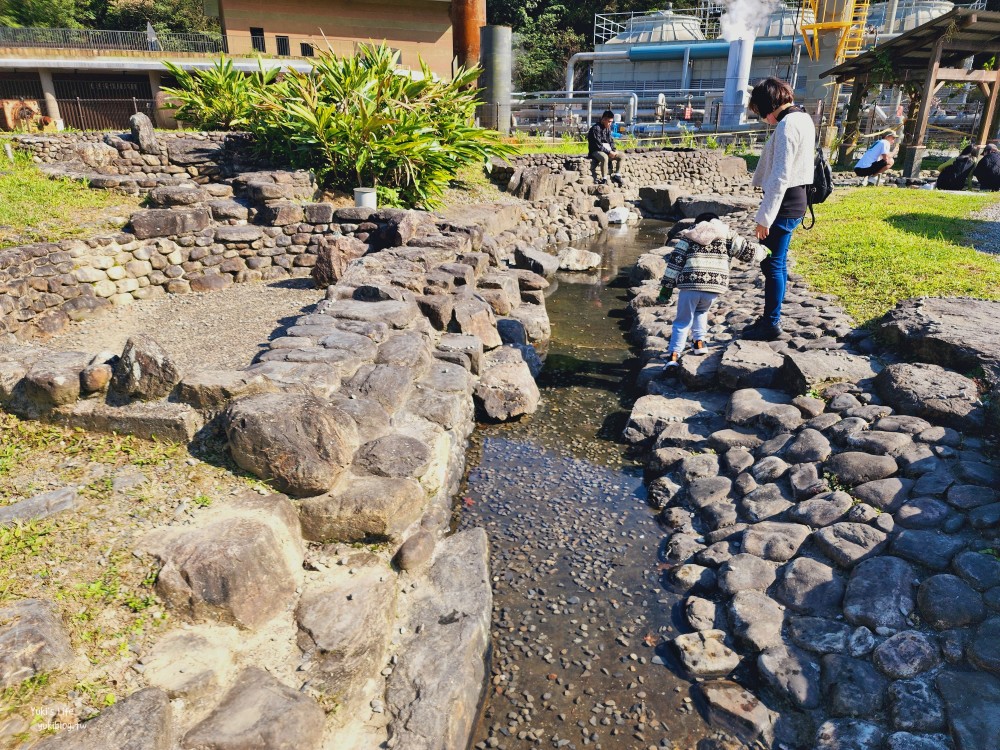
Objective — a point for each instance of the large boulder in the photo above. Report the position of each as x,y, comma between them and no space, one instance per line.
433,693
690,206
333,256
802,371
296,440
506,388
260,712
145,371
659,199
934,393
169,222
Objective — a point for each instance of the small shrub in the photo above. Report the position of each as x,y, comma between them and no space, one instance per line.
217,98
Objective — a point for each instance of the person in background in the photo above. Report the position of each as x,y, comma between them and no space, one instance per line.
785,168
698,266
876,159
602,151
988,169
957,173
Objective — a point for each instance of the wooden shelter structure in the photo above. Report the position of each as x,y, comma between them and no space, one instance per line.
924,59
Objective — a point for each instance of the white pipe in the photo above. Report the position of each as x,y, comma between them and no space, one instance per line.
615,54
686,72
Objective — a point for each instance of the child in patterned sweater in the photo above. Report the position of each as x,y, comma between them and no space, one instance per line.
698,265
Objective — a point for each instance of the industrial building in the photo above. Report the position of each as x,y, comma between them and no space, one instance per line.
94,79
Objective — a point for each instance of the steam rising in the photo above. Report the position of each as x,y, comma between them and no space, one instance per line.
742,18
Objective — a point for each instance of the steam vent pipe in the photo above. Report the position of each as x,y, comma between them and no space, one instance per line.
496,80
467,18
737,78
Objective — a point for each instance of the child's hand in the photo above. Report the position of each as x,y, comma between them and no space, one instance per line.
665,295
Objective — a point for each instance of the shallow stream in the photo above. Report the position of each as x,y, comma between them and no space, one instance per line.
580,610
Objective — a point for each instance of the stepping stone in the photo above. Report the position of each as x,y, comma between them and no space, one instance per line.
885,494
984,649
705,654
934,483
822,510
142,721
945,601
188,666
880,594
971,700
702,614
980,569
745,572
854,468
809,446
775,541
930,548
852,687
749,364
933,393
922,513
756,620
259,711
849,734
969,496
907,654
819,635
763,407
804,370
847,543
394,455
880,443
762,503
810,587
792,674
907,741
916,706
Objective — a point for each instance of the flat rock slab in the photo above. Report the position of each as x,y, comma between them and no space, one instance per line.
791,673
763,407
852,686
984,649
749,364
927,547
32,640
756,620
39,506
953,332
971,700
433,693
258,713
651,414
775,541
854,467
907,654
802,371
506,389
933,393
810,587
720,205
151,420
881,593
946,601
140,722
362,507
848,543
849,734
212,390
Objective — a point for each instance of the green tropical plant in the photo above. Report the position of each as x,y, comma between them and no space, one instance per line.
358,121
219,97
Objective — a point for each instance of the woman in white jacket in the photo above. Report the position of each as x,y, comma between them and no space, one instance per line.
783,172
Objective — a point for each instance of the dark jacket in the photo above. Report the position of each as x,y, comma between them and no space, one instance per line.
956,175
598,135
699,257
988,171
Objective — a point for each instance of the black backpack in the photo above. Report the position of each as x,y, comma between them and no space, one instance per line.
822,185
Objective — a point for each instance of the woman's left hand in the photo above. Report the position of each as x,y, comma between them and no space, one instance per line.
762,232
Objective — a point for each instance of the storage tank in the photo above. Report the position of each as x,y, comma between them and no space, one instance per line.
661,26
909,14
784,23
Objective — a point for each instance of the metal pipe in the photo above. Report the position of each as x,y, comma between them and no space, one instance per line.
467,18
616,54
686,73
496,80
707,50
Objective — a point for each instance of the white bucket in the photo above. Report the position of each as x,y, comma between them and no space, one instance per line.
365,198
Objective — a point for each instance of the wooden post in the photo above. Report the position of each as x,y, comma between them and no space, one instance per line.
916,149
989,114
851,120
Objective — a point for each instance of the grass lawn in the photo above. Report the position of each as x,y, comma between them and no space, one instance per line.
875,246
34,208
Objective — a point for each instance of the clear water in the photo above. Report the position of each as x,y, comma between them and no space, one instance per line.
581,612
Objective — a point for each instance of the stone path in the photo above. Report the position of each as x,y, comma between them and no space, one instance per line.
210,330
986,235
838,547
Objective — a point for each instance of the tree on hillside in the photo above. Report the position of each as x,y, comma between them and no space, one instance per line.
550,31
122,15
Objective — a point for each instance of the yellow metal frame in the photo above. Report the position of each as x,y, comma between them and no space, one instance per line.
851,28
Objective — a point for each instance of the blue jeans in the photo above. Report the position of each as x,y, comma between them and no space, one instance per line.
692,315
775,267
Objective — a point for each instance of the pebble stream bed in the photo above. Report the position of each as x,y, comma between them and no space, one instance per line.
581,614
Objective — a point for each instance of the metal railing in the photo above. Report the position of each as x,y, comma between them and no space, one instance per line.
103,114
97,39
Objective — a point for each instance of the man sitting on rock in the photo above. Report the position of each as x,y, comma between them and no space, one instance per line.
601,145
988,169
